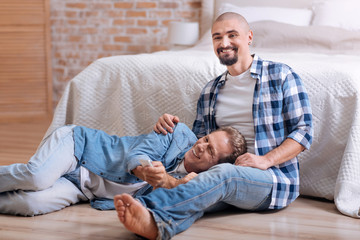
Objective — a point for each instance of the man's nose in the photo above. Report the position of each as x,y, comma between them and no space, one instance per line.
225,42
202,147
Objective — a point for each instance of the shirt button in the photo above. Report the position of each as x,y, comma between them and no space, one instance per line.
83,162
101,173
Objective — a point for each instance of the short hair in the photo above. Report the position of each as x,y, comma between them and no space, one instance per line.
233,15
237,141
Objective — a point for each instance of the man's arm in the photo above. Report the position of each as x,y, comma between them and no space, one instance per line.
298,119
286,151
157,176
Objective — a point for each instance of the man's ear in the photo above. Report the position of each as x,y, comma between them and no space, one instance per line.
250,36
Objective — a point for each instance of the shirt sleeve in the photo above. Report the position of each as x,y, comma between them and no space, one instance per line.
152,147
199,125
297,110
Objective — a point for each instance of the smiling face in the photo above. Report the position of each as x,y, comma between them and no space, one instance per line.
207,152
231,39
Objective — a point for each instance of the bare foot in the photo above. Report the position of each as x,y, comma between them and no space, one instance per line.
135,217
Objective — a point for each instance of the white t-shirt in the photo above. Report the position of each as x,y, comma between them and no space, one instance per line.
94,186
234,106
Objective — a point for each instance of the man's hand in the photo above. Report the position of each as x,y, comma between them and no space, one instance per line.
286,151
166,124
157,176
186,178
252,160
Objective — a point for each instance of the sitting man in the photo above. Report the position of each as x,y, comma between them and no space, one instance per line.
269,103
76,164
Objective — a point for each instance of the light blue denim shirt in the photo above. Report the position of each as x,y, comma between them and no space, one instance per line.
113,157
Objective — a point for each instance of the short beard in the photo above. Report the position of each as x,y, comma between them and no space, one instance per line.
228,61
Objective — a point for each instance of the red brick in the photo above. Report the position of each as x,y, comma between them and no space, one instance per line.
157,30
123,5
89,30
124,22
59,71
150,23
61,62
131,13
168,5
112,31
157,48
160,14
194,4
71,14
136,48
167,21
76,5
136,31
101,55
124,39
75,38
76,22
72,55
92,47
91,14
114,14
146,5
186,14
61,30
101,6
112,47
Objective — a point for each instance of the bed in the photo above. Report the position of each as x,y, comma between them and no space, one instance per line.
320,40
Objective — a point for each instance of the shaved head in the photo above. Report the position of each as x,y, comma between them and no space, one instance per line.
234,16
231,36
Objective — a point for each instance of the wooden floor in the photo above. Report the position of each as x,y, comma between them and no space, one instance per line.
304,219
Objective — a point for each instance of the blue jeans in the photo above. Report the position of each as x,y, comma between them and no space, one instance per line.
39,187
175,210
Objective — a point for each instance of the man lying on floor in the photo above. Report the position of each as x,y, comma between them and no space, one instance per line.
76,164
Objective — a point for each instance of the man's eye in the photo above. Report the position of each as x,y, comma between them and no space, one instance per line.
211,152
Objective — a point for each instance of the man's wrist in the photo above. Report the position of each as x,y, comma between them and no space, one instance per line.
170,182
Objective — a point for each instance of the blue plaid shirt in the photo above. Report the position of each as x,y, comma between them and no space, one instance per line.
281,109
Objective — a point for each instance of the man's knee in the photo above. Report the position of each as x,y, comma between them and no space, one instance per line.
223,168
37,182
20,203
230,170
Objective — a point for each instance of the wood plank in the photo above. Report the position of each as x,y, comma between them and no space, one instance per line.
25,70
22,12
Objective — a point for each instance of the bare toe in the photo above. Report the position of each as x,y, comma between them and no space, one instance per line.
135,216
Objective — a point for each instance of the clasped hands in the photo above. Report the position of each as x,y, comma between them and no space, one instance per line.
157,176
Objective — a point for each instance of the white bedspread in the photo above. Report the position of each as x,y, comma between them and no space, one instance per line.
125,95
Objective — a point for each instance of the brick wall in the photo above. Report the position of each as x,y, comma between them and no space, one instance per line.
85,30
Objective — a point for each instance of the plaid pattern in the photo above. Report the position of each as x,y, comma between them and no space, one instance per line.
281,109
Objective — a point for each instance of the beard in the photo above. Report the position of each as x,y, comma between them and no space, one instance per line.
226,59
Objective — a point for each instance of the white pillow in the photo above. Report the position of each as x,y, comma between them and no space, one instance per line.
343,14
295,16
